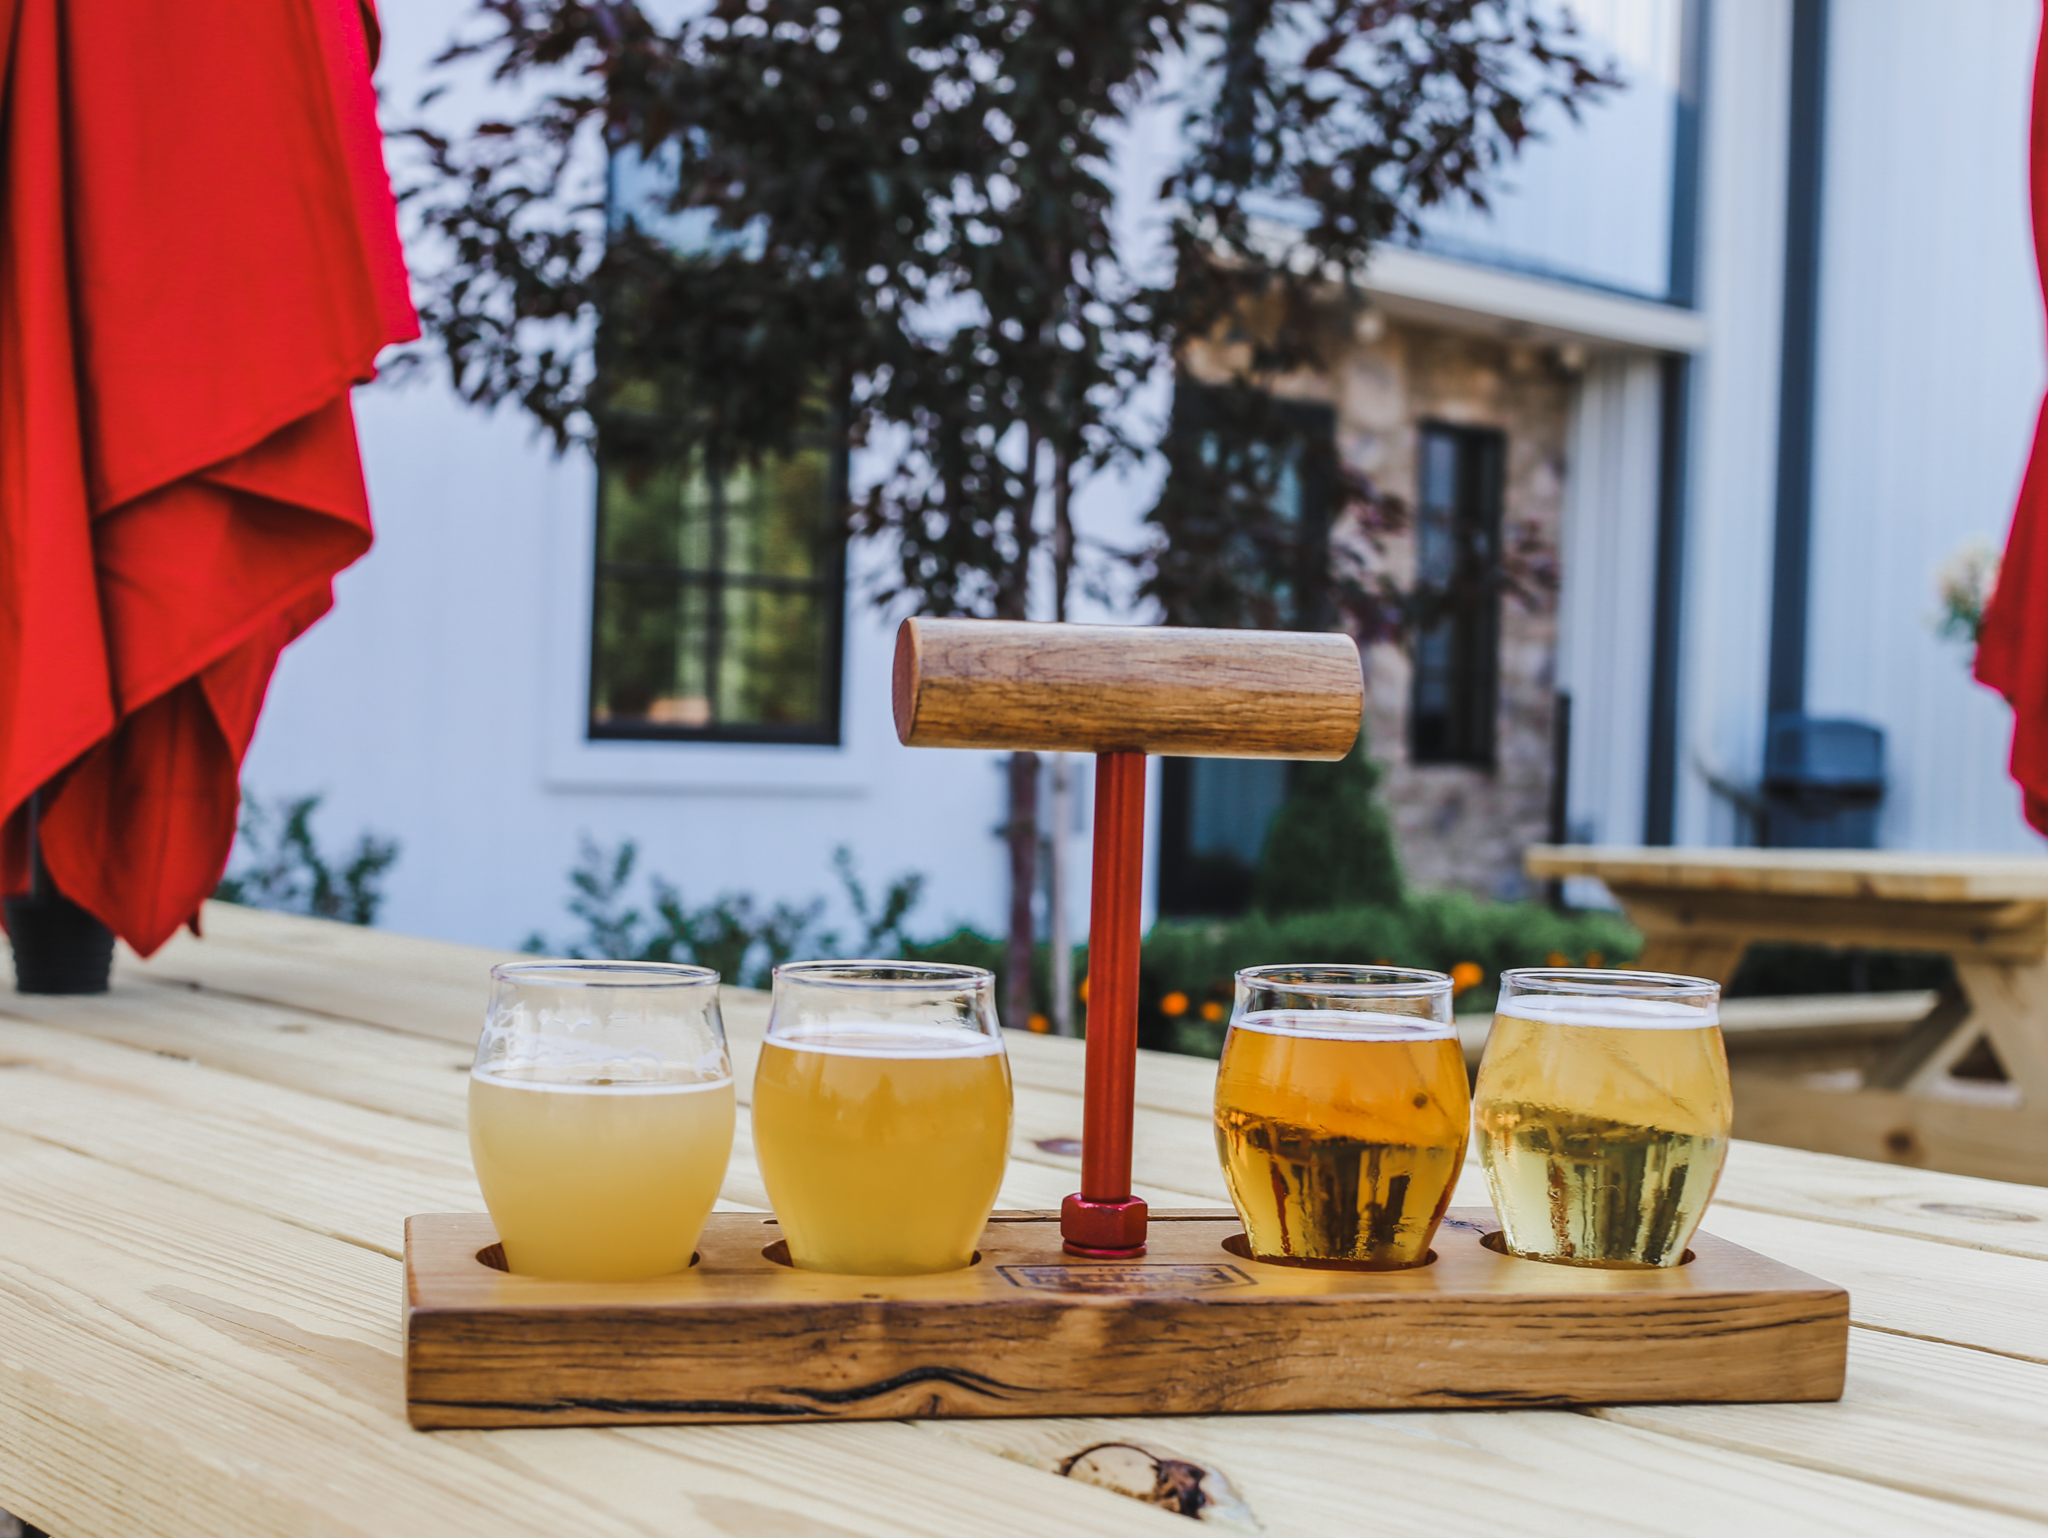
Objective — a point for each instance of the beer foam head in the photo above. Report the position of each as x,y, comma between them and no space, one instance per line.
555,1082
1615,1010
1345,1025
885,1038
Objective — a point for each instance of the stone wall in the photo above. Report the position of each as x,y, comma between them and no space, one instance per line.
1460,825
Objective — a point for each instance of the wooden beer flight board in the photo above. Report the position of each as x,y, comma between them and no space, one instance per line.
1103,1308
1195,1327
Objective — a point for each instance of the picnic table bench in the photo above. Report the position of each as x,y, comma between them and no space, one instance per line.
205,1173
1965,1089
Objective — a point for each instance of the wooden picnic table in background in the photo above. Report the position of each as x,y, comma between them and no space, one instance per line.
1965,1088
204,1177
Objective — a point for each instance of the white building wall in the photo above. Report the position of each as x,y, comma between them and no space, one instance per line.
1930,371
1606,600
1732,453
1590,200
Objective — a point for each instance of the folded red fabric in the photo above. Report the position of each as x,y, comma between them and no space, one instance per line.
198,257
2012,651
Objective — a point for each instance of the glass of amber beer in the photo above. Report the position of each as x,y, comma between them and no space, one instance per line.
1341,1113
1604,1111
600,1115
882,1114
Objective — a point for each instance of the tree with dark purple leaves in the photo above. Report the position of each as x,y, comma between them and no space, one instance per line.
893,223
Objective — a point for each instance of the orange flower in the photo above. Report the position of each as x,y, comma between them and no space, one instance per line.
1082,991
1466,974
1595,959
1557,959
1212,1011
1040,1026
1174,1004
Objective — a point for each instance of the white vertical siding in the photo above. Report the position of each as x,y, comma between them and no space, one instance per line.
1590,200
1732,453
1605,606
1930,371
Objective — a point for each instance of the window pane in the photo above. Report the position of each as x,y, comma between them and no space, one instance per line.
775,518
772,668
1246,511
1435,529
1231,804
1214,814
719,602
651,654
660,518
1452,703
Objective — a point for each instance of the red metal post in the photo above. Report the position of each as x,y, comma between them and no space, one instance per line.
1104,1221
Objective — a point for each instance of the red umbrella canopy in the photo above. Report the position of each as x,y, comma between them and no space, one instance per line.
198,257
2012,651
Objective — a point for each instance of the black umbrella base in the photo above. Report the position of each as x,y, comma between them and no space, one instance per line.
58,946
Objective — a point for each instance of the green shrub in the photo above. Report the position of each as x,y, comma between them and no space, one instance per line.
1438,930
285,869
970,948
1330,845
1197,959
739,939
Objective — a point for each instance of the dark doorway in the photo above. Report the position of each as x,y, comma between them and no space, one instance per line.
1456,649
1213,817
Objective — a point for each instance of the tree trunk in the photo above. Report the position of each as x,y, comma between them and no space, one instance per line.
1020,827
1062,765
1022,830
1056,895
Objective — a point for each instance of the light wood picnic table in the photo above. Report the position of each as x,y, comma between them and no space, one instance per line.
1700,909
204,1176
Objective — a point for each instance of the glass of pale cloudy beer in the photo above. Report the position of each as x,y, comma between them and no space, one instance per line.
1604,1111
601,1115
1341,1113
882,1114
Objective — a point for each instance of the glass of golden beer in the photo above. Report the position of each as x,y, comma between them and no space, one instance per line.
1341,1113
601,1115
1604,1111
882,1114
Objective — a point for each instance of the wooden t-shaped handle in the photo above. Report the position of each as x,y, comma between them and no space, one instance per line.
1120,692
974,683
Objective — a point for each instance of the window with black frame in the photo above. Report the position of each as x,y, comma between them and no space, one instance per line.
1455,650
1264,563
719,601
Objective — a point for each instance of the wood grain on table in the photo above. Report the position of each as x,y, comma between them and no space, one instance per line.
204,1176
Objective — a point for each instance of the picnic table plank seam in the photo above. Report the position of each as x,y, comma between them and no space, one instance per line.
1952,1496
2040,1360
1752,1205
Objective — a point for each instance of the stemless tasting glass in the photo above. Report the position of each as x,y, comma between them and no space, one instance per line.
882,1114
1341,1113
601,1115
1604,1111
